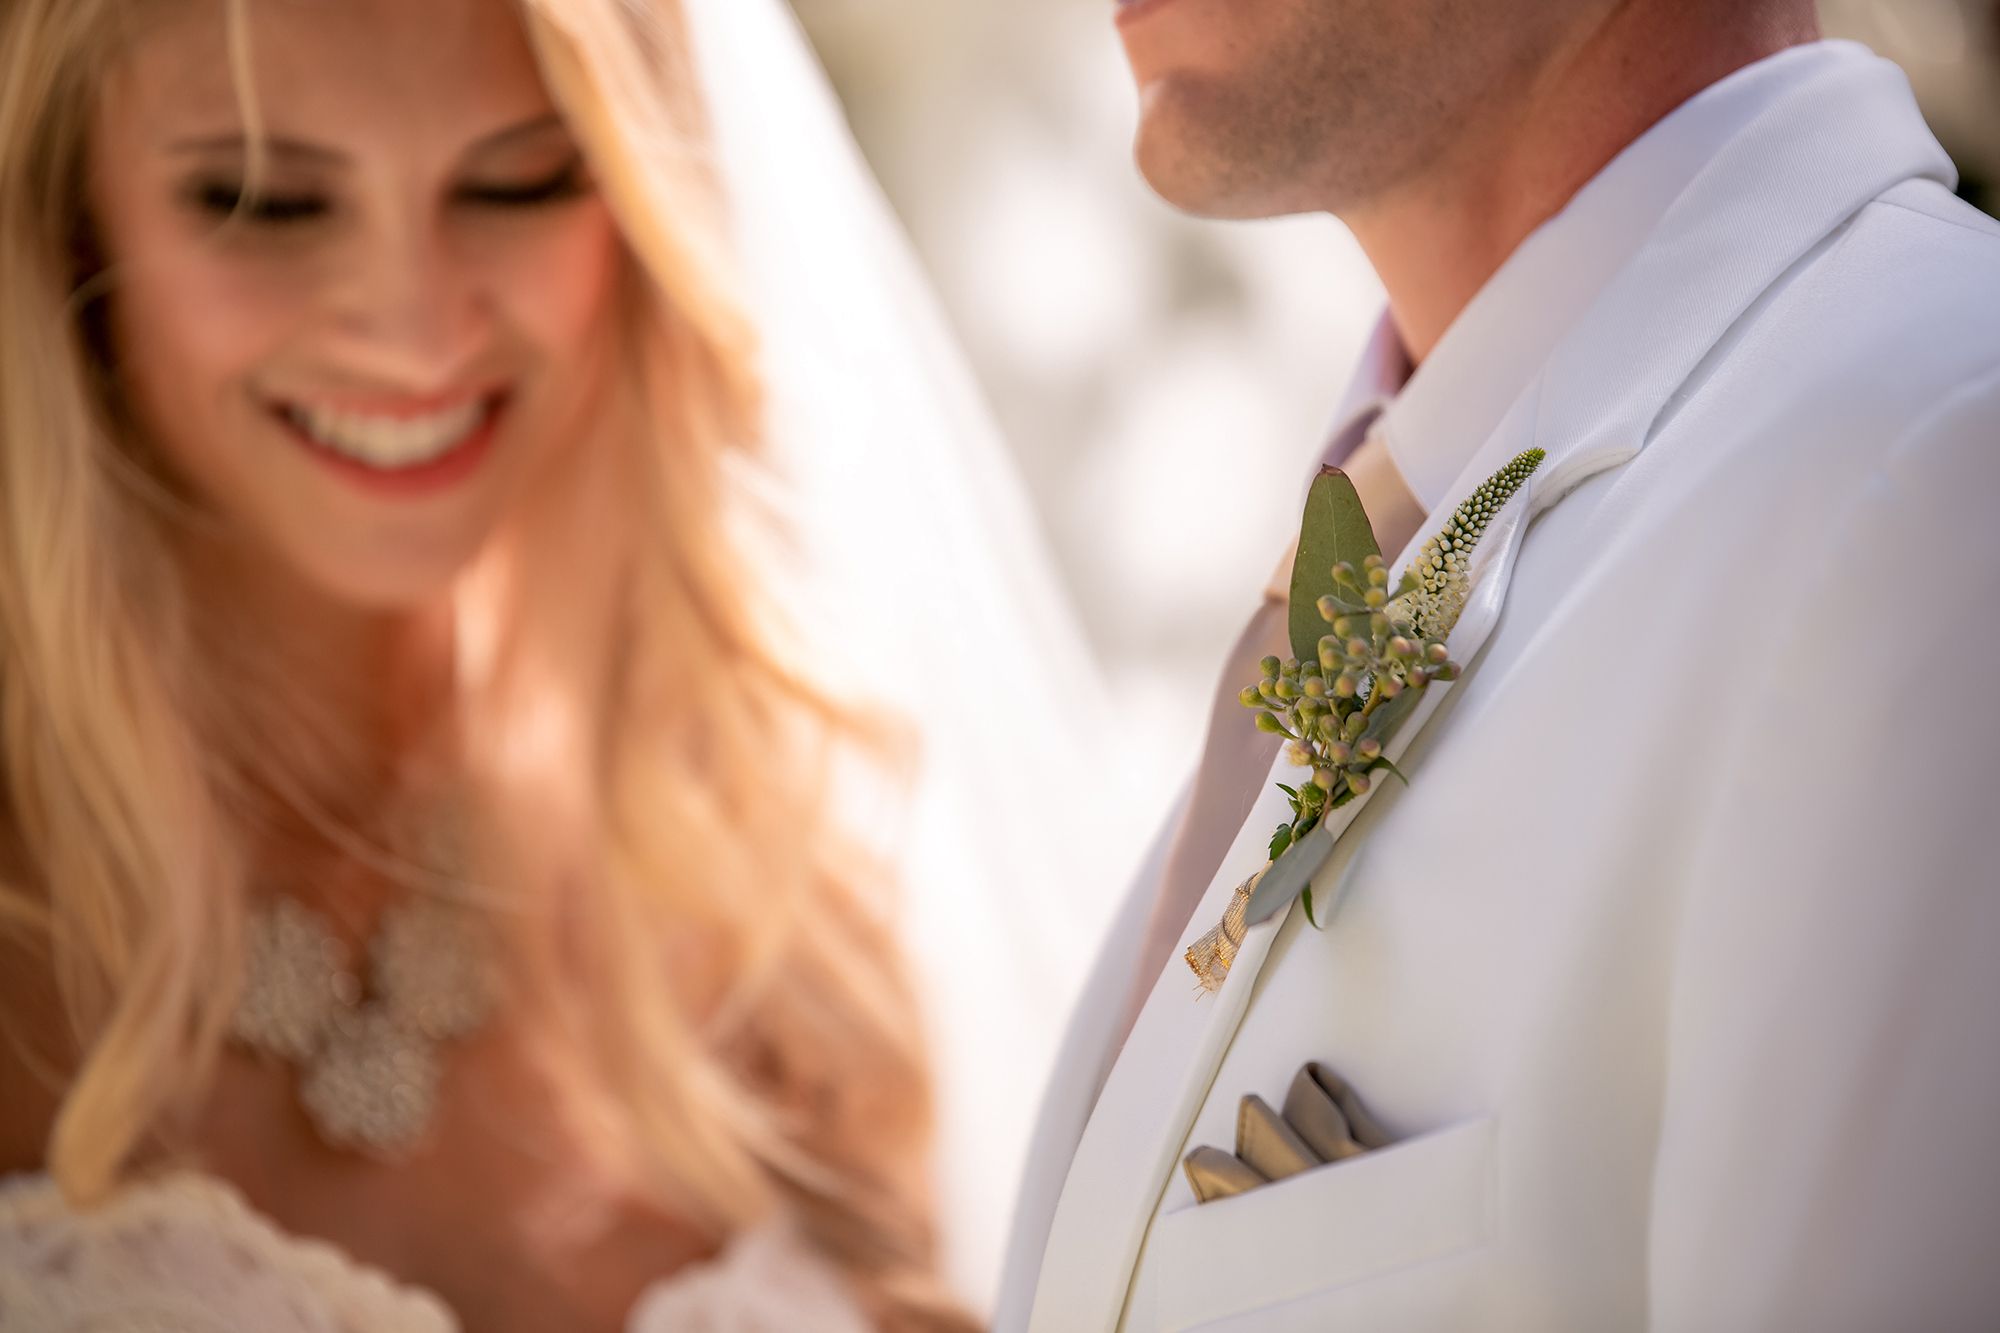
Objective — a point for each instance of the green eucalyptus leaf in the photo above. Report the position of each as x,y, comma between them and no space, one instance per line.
1306,897
1334,528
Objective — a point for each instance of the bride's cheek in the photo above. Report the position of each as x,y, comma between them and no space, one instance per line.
558,282
192,328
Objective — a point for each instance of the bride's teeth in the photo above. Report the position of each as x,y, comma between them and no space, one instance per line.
390,442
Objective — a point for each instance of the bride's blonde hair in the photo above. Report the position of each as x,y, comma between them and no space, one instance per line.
636,723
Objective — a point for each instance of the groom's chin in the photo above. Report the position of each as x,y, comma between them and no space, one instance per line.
1199,158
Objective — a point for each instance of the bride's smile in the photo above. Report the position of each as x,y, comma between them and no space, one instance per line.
396,438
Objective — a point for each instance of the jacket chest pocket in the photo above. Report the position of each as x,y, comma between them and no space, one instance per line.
1346,1225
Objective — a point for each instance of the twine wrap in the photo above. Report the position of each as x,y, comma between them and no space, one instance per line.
1211,955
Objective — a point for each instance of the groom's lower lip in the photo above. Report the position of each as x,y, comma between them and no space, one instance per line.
1131,11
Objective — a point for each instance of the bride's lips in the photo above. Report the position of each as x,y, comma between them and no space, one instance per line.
458,461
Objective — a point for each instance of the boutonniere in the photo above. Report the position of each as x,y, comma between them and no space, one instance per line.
1363,655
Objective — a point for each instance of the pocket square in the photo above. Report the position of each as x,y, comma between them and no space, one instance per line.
1322,1121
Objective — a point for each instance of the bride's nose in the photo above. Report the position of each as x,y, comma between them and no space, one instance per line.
410,307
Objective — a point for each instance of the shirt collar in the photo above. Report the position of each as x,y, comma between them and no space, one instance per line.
1456,398
1383,371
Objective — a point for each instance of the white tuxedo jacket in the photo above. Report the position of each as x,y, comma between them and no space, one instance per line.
1676,969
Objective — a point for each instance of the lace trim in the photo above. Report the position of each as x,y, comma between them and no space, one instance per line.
186,1252
767,1281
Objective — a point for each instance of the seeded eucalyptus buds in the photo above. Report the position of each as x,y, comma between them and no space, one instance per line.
1323,708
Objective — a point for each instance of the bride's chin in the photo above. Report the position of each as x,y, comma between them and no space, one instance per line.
386,582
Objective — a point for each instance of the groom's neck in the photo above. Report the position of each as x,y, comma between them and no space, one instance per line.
1435,240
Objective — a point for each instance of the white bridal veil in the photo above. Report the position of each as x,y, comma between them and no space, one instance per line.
928,567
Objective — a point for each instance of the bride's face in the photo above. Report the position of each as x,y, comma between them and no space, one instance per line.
362,365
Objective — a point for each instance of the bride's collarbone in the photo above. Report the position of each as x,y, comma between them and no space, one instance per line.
503,1213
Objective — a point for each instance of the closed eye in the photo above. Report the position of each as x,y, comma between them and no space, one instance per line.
230,200
567,183
226,200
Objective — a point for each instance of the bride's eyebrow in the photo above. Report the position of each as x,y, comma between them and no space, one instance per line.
527,129
302,150
295,149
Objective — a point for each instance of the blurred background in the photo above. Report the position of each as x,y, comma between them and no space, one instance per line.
1164,383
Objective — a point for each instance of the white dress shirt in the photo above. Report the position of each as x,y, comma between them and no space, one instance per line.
1455,399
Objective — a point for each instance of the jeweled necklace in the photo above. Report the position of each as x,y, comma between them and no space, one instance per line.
367,1050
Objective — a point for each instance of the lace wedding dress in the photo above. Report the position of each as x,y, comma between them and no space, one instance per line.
187,1254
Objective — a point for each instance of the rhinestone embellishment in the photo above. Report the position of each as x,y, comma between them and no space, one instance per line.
368,1055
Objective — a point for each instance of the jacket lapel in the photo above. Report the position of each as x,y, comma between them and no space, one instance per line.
1773,195
1133,1134
1082,1063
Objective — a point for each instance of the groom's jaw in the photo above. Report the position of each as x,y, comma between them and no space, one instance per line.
1254,108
